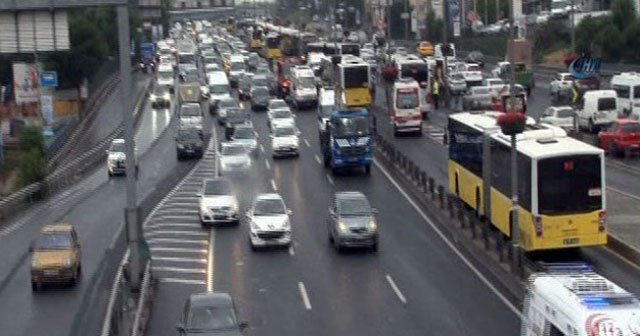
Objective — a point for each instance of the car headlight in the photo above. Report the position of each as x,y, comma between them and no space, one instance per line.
373,226
181,146
254,226
223,165
152,97
35,263
343,227
167,96
67,262
204,210
234,207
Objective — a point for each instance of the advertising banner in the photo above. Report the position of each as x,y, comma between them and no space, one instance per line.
26,83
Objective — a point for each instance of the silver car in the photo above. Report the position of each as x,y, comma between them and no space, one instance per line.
233,158
352,222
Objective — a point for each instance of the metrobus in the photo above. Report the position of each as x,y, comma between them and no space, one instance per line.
354,82
567,300
257,42
271,46
561,181
411,66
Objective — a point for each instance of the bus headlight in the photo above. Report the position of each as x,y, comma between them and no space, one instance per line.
538,224
602,219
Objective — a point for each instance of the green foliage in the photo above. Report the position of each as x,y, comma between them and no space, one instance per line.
490,5
434,26
32,163
490,45
623,13
551,35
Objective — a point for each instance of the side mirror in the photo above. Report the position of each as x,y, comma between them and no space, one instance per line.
331,212
243,325
106,151
298,133
289,212
374,210
32,247
180,328
198,195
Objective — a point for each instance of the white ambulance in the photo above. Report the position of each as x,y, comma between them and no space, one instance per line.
578,302
406,114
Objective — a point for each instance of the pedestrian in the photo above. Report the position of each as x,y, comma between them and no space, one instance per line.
435,93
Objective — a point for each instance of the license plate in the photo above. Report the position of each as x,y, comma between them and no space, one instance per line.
189,150
635,145
571,241
353,159
51,272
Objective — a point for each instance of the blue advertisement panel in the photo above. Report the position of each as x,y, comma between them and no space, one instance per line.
454,10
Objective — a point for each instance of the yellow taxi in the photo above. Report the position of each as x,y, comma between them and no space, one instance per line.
55,256
425,48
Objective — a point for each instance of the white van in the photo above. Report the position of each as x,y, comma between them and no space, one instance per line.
597,109
627,87
406,114
580,303
219,87
326,105
165,76
303,88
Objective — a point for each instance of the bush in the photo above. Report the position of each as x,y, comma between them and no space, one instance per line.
32,167
31,139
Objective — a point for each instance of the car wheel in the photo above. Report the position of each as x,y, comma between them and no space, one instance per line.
374,247
35,286
179,157
337,246
330,237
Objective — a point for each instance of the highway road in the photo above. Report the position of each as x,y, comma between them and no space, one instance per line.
95,207
431,154
414,285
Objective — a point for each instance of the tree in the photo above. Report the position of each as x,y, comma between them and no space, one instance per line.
32,164
623,13
434,26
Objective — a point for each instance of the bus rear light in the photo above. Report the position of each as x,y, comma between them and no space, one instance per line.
538,223
602,219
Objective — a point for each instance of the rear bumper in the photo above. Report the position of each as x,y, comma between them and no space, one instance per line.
352,161
52,275
357,241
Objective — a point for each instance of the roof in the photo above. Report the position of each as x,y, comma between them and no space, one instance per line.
268,196
58,227
600,93
117,141
627,121
349,195
207,299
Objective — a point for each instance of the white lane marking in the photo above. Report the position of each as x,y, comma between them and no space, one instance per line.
168,212
177,241
624,193
306,142
329,179
396,289
174,233
273,185
466,261
181,281
183,225
292,251
261,148
180,259
169,216
178,250
181,204
178,270
305,297
266,163
318,159
211,261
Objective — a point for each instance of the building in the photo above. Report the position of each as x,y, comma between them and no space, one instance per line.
375,11
194,4
150,10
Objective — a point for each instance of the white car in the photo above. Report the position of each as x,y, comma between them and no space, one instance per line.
562,82
275,104
191,116
496,85
233,158
285,141
218,203
246,135
561,116
280,117
210,67
269,222
117,159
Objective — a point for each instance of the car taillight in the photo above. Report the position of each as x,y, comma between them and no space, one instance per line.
602,219
538,223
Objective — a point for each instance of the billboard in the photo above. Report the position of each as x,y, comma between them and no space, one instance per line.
26,83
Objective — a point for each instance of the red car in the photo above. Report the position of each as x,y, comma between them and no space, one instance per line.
621,137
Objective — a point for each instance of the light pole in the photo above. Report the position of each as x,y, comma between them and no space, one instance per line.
406,16
573,26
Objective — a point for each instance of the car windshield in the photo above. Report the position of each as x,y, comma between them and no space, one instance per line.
219,89
407,100
188,135
345,127
307,82
279,114
494,82
355,206
159,91
259,82
190,111
266,207
480,91
276,104
565,113
260,92
631,128
224,103
52,241
217,187
284,132
117,147
233,150
165,74
237,66
457,76
244,133
210,318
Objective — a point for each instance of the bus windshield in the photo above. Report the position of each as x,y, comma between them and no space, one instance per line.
346,127
407,100
419,72
272,42
356,77
569,184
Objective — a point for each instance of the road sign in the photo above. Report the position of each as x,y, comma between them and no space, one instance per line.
48,79
46,108
456,28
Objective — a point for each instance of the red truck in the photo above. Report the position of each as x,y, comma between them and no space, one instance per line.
282,69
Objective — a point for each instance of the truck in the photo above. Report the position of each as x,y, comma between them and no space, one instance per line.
346,140
522,64
147,57
189,93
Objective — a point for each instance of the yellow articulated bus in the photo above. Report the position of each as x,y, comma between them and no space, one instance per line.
257,42
354,82
561,181
271,47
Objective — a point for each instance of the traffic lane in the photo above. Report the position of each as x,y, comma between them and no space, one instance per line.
261,280
96,218
356,290
25,228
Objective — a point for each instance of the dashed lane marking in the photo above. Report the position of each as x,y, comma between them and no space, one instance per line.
305,296
329,179
396,289
317,159
273,185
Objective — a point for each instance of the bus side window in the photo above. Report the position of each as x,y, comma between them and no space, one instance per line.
553,331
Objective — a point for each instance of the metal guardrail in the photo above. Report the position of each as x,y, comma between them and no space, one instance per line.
142,313
67,174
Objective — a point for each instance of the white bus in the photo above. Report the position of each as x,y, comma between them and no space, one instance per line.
561,181
416,68
578,303
405,112
627,87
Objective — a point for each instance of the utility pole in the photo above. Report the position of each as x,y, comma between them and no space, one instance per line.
131,210
388,12
406,16
573,26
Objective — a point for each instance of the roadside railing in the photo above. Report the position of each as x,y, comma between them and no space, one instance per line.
69,173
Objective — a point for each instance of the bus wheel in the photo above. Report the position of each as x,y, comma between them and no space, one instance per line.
457,186
477,212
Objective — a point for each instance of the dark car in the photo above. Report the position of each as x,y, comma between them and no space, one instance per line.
235,116
160,98
260,97
189,143
221,106
210,314
475,57
352,222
